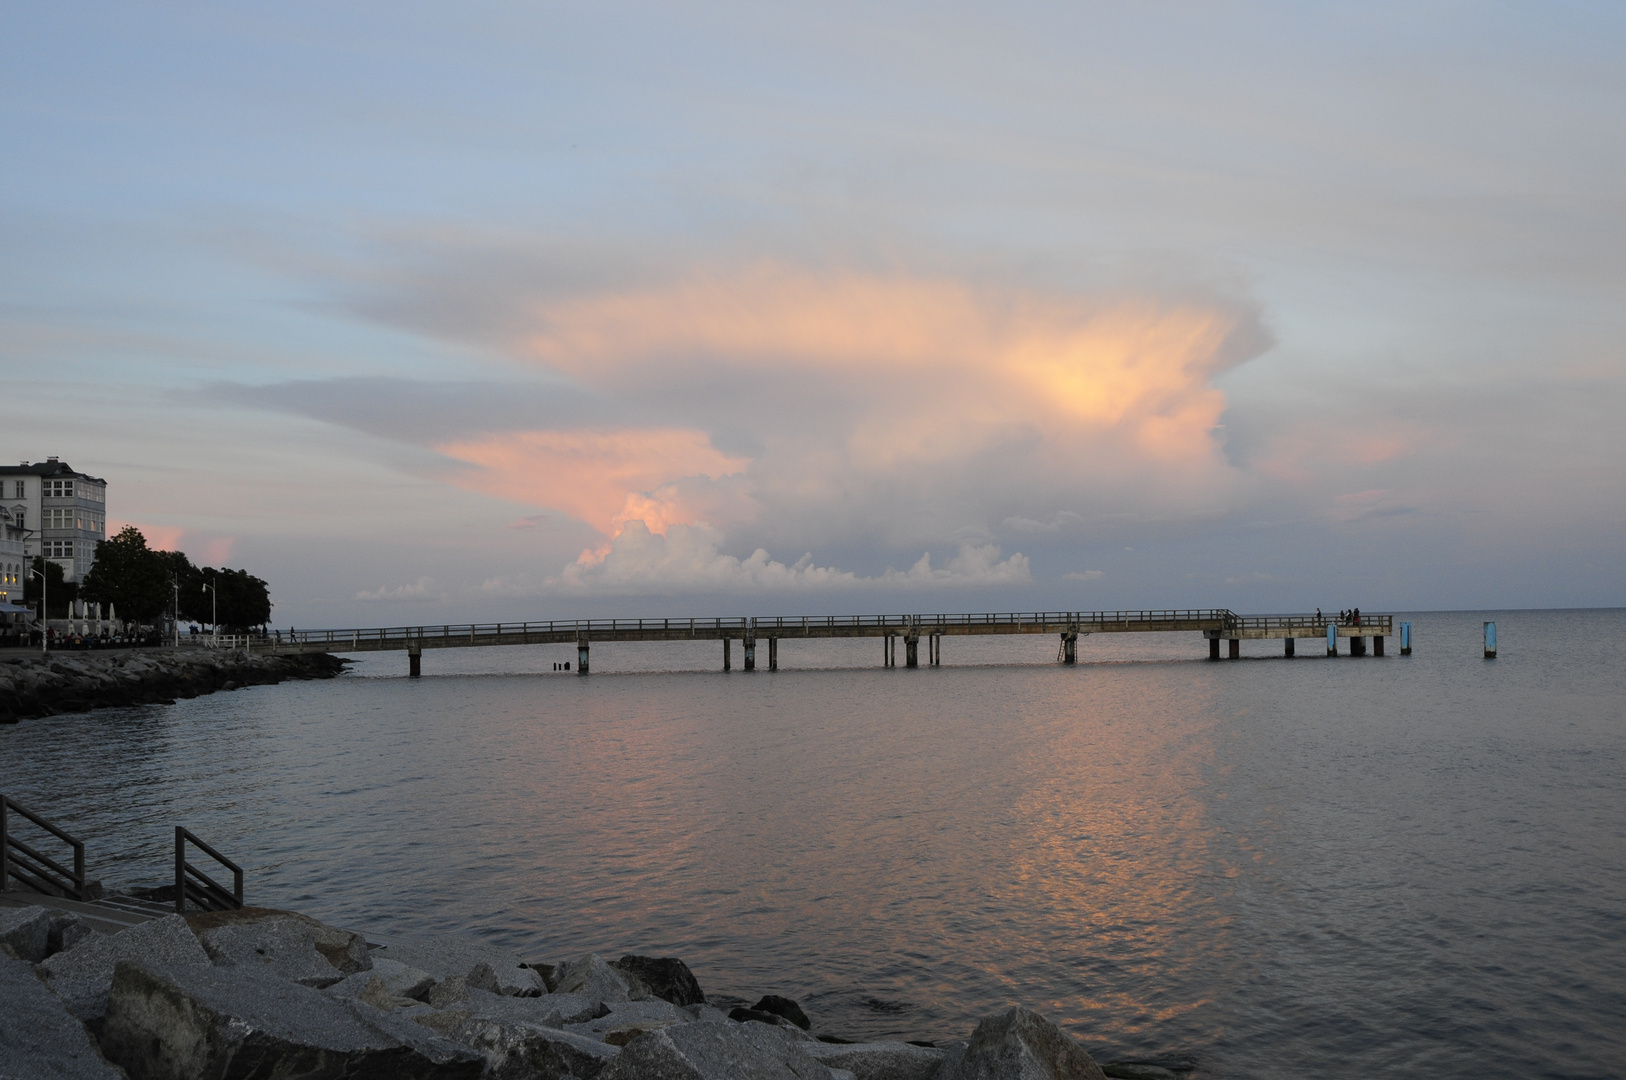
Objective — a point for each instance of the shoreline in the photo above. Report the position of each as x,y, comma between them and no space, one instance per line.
34,685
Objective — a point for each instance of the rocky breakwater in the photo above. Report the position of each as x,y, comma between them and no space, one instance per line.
265,993
35,685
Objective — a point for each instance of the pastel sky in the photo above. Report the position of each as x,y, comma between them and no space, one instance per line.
433,313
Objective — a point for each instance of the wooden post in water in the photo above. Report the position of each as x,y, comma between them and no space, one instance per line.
1490,641
728,654
1213,648
750,654
773,654
911,651
1236,648
414,661
1287,647
1377,644
581,655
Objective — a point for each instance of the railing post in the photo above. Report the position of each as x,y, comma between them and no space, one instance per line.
180,870
5,847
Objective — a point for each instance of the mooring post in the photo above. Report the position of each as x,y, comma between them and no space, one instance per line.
1069,646
581,654
1236,648
1213,648
1405,639
1287,649
728,654
1332,639
1490,641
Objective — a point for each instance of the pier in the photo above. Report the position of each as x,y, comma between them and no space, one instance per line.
1215,624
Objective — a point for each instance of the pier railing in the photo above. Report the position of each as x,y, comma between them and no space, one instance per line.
192,884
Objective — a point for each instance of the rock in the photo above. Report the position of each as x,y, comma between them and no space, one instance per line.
444,957
784,1006
523,1051
378,996
668,978
880,1060
550,1010
449,1055
81,976
630,1018
178,1023
25,933
39,1038
1138,1070
592,976
285,948
399,981
484,977
67,930
442,1021
754,1016
345,950
1019,1044
715,1052
449,991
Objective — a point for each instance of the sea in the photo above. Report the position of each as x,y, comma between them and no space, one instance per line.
1269,867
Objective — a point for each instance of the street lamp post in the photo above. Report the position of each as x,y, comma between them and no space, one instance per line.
212,587
45,610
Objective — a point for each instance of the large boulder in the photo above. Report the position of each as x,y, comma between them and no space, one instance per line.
81,976
67,930
447,956
525,1051
178,1023
231,936
39,1038
622,1022
879,1060
25,933
397,978
725,1051
785,1007
592,976
549,1010
667,977
1019,1044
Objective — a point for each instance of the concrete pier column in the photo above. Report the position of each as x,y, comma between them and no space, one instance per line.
1377,645
750,654
911,652
1287,647
414,662
1236,648
1357,646
773,654
728,654
581,656
890,652
937,650
1213,648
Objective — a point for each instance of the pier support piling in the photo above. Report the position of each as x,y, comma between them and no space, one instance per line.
1236,648
1357,646
773,654
728,654
937,650
1213,648
911,652
1069,647
1377,645
581,656
414,663
750,654
1287,647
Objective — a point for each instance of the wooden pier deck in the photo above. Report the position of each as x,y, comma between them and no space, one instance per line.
1214,624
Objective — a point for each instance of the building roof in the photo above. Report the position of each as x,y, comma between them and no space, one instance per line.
52,467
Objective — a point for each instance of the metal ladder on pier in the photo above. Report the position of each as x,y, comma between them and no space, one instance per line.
29,876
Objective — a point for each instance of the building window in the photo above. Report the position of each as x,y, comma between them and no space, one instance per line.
58,549
20,490
58,489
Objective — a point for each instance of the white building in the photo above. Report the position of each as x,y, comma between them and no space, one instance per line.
63,512
14,616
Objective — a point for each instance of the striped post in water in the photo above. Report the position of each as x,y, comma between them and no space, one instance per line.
1405,639
1332,639
1490,641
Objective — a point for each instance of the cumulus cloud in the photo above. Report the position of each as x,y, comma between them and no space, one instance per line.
689,558
1084,575
422,590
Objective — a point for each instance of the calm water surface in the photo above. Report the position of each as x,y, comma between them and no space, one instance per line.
1264,868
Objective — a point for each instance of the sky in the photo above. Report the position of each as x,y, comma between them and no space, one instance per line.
437,313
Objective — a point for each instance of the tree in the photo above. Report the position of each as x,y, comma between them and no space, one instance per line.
131,576
244,600
59,591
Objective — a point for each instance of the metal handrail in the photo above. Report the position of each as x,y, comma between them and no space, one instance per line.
206,893
38,871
